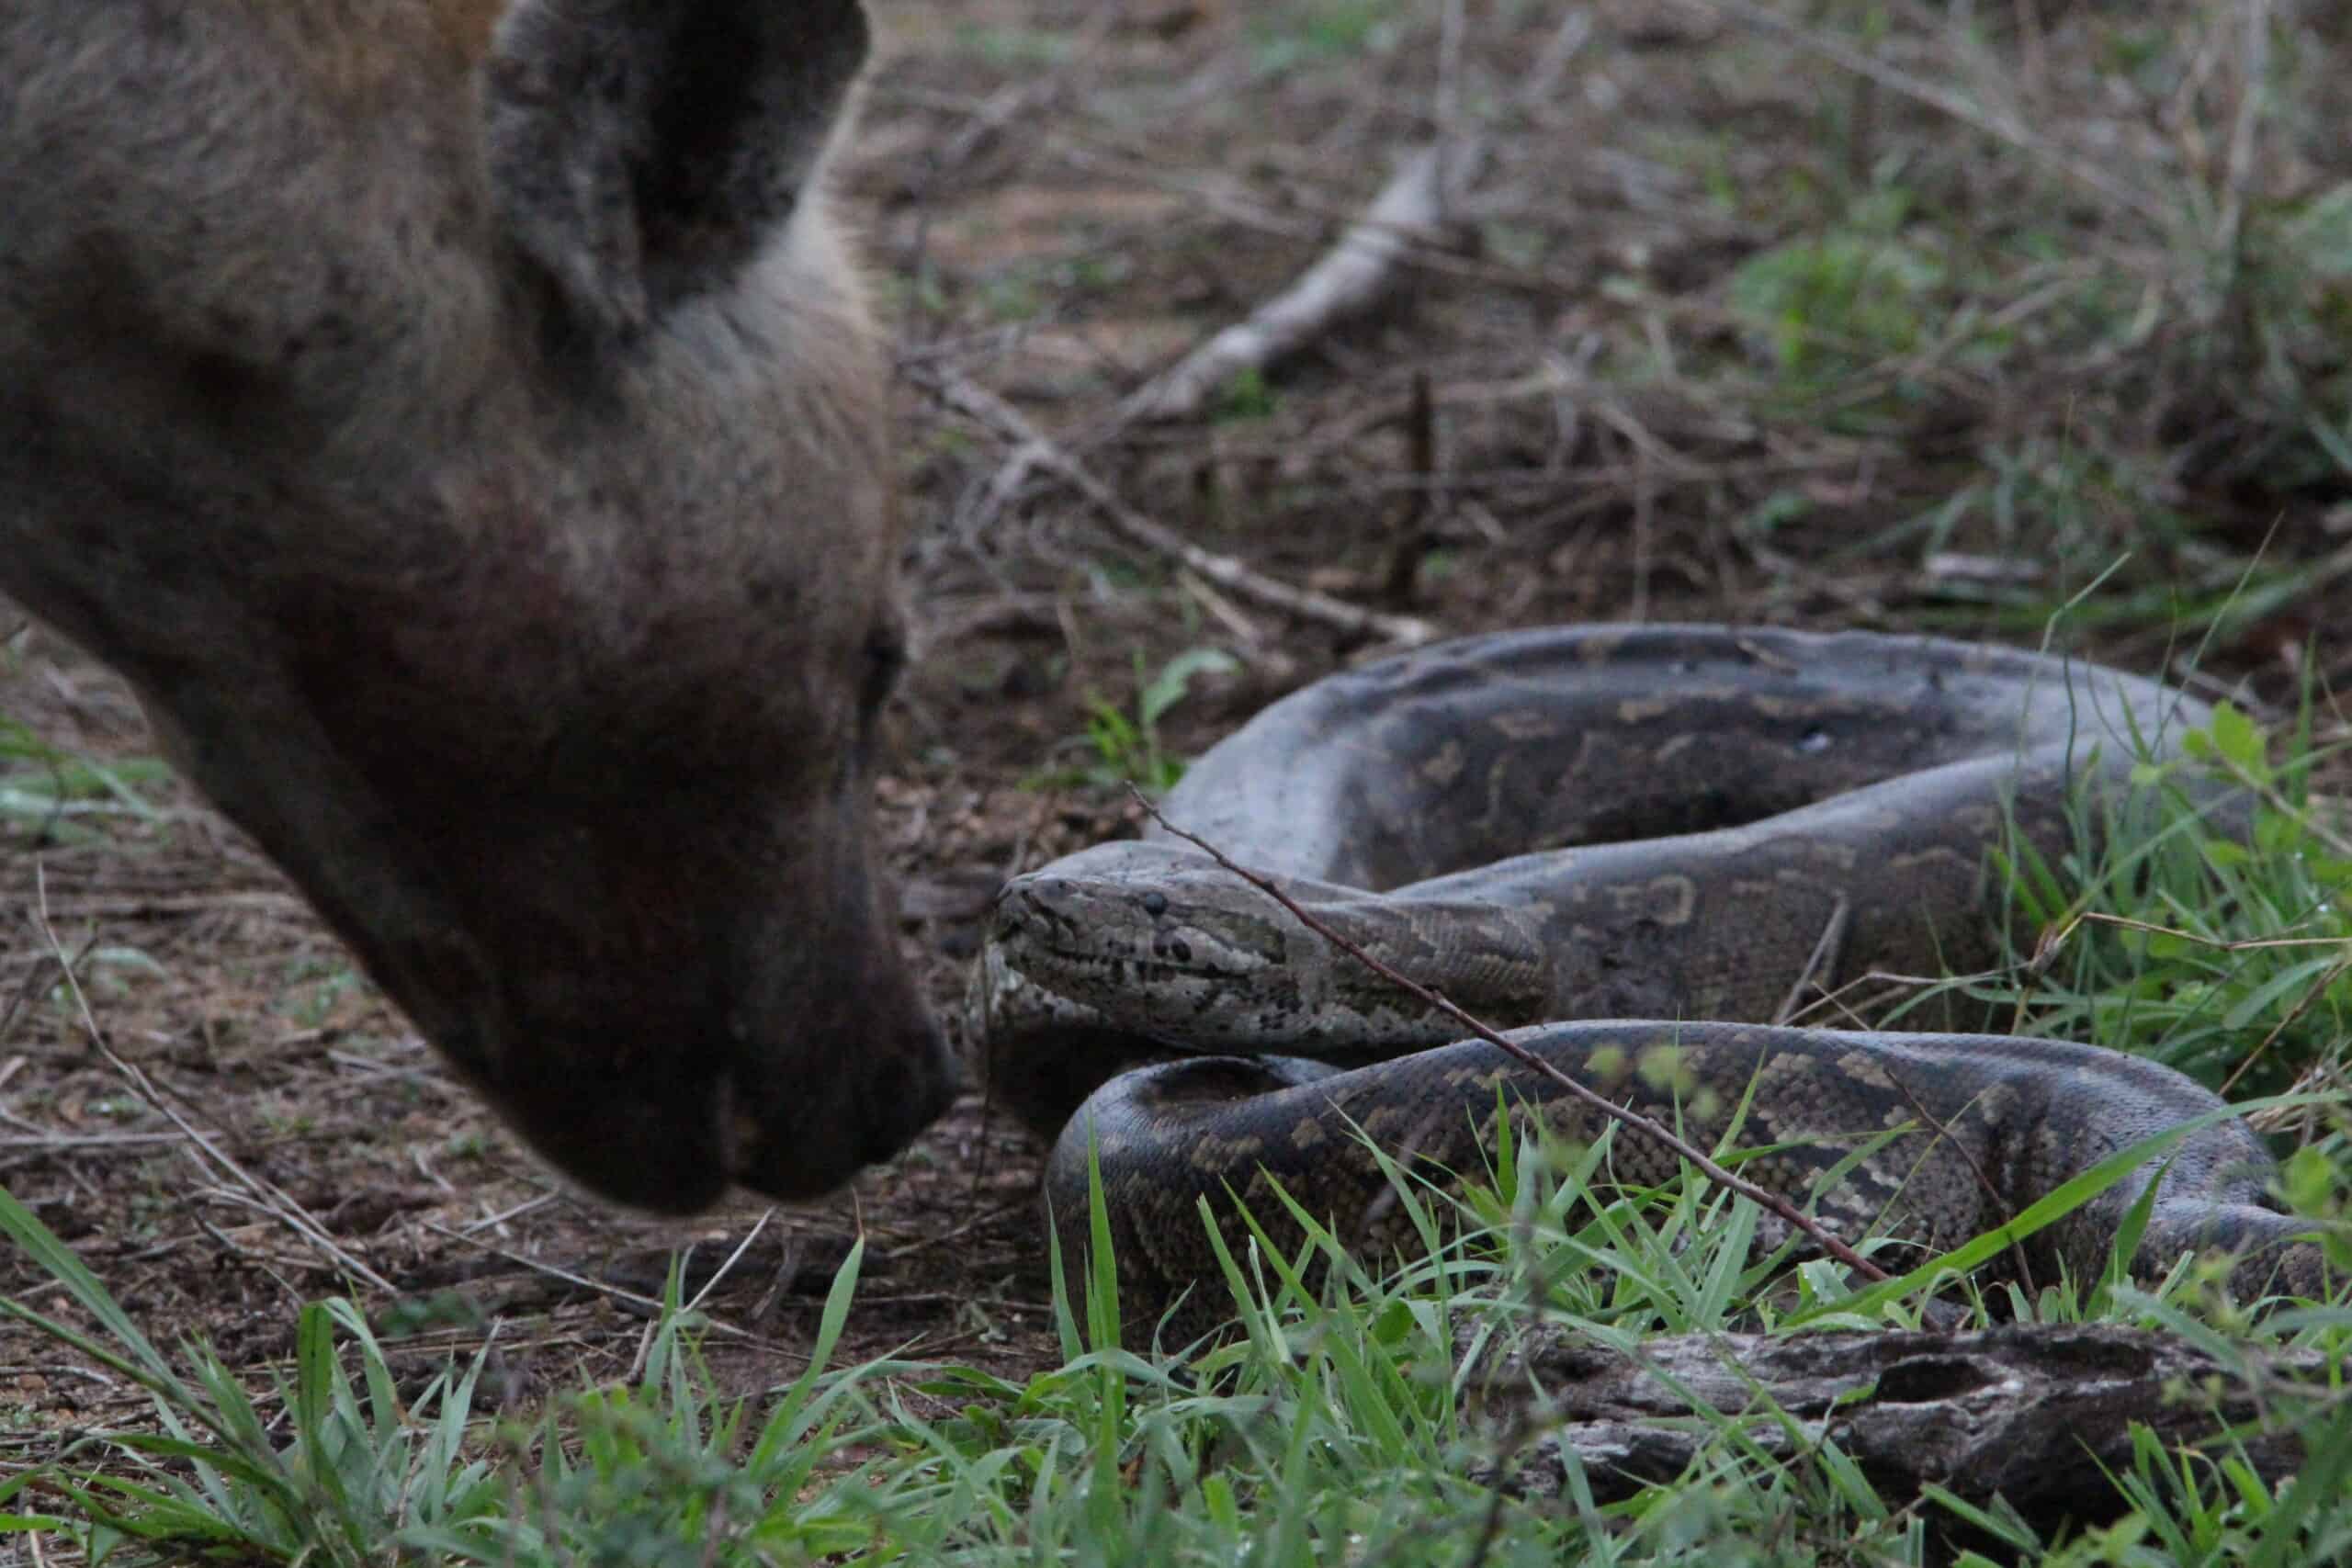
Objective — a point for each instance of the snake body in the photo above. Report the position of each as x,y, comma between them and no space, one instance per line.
1668,824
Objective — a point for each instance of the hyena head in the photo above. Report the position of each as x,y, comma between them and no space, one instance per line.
463,426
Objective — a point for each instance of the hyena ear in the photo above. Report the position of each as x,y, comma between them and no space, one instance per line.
644,152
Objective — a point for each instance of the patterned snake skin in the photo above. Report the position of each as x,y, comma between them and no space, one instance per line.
1613,824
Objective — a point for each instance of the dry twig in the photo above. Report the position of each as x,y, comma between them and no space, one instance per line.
1226,572
266,1196
2237,174
1360,268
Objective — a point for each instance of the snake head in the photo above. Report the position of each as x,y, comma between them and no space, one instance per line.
1163,942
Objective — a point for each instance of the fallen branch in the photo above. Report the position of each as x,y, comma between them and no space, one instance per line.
1645,1126
2039,1415
1346,278
1038,450
1353,274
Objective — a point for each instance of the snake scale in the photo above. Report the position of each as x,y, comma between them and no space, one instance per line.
1639,828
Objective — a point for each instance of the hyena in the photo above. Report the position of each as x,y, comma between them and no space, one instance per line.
461,423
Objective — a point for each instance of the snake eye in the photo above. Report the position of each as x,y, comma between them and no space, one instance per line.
1154,904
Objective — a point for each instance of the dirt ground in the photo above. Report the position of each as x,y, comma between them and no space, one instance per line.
1561,413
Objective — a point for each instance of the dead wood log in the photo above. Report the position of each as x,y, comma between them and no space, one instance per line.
2029,1413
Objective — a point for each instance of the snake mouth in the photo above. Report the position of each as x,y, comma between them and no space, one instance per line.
1128,967
1076,929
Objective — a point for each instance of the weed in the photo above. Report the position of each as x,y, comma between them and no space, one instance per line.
1127,747
1246,396
1832,303
53,792
1317,32
2228,958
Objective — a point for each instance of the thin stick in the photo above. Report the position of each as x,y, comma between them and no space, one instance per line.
2319,988
1364,262
1647,1126
268,1195
595,1287
2237,171
1226,571
2278,802
1822,960
1348,276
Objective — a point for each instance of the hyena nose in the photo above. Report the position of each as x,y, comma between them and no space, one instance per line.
913,1095
854,1098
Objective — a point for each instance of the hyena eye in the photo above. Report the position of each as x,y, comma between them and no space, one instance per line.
886,656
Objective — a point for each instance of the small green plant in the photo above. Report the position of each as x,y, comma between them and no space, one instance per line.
1320,31
1836,303
55,791
1012,296
218,1477
1127,747
1245,396
1013,48
316,989
107,972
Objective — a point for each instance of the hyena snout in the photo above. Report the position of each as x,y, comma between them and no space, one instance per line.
669,1111
662,1026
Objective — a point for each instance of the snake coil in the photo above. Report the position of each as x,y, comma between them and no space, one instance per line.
1663,832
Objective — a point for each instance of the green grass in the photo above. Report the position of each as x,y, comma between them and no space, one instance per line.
2056,379
1330,1426
2230,961
2136,369
333,1463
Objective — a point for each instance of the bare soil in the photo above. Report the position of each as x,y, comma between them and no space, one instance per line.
1558,414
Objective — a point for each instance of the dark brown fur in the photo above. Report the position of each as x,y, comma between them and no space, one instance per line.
461,424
